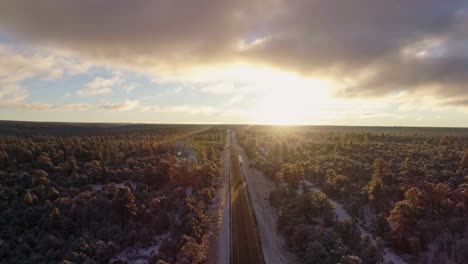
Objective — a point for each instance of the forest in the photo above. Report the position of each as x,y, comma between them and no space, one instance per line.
72,193
116,193
405,189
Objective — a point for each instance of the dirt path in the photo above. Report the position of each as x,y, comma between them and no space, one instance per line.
259,186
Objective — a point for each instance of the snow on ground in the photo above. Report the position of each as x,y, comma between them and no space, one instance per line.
433,254
368,217
340,212
218,248
189,191
259,186
140,255
98,187
390,256
341,215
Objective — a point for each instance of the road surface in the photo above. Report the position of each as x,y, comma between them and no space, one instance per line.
259,186
245,241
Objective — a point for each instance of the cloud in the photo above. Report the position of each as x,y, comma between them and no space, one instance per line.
77,107
367,47
234,100
29,106
361,45
123,106
143,33
17,65
128,88
184,109
219,88
39,106
89,91
99,86
16,97
12,94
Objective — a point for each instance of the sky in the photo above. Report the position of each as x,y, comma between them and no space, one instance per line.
299,62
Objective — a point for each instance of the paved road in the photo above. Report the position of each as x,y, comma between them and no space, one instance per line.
245,241
258,185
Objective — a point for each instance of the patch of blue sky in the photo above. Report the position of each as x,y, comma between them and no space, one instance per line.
44,90
5,40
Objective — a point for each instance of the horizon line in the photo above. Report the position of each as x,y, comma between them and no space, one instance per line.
222,124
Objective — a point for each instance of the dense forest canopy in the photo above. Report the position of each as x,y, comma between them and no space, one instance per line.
406,186
86,199
98,193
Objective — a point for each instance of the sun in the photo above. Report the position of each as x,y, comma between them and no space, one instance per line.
292,101
277,97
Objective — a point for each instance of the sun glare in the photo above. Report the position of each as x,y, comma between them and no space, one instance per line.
282,98
292,101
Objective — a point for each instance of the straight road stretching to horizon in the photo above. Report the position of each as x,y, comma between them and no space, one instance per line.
245,240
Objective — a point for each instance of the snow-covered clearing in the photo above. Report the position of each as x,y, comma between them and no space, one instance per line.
98,187
259,186
341,215
140,255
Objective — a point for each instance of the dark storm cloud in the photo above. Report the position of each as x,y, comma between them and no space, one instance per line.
371,47
374,45
141,31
